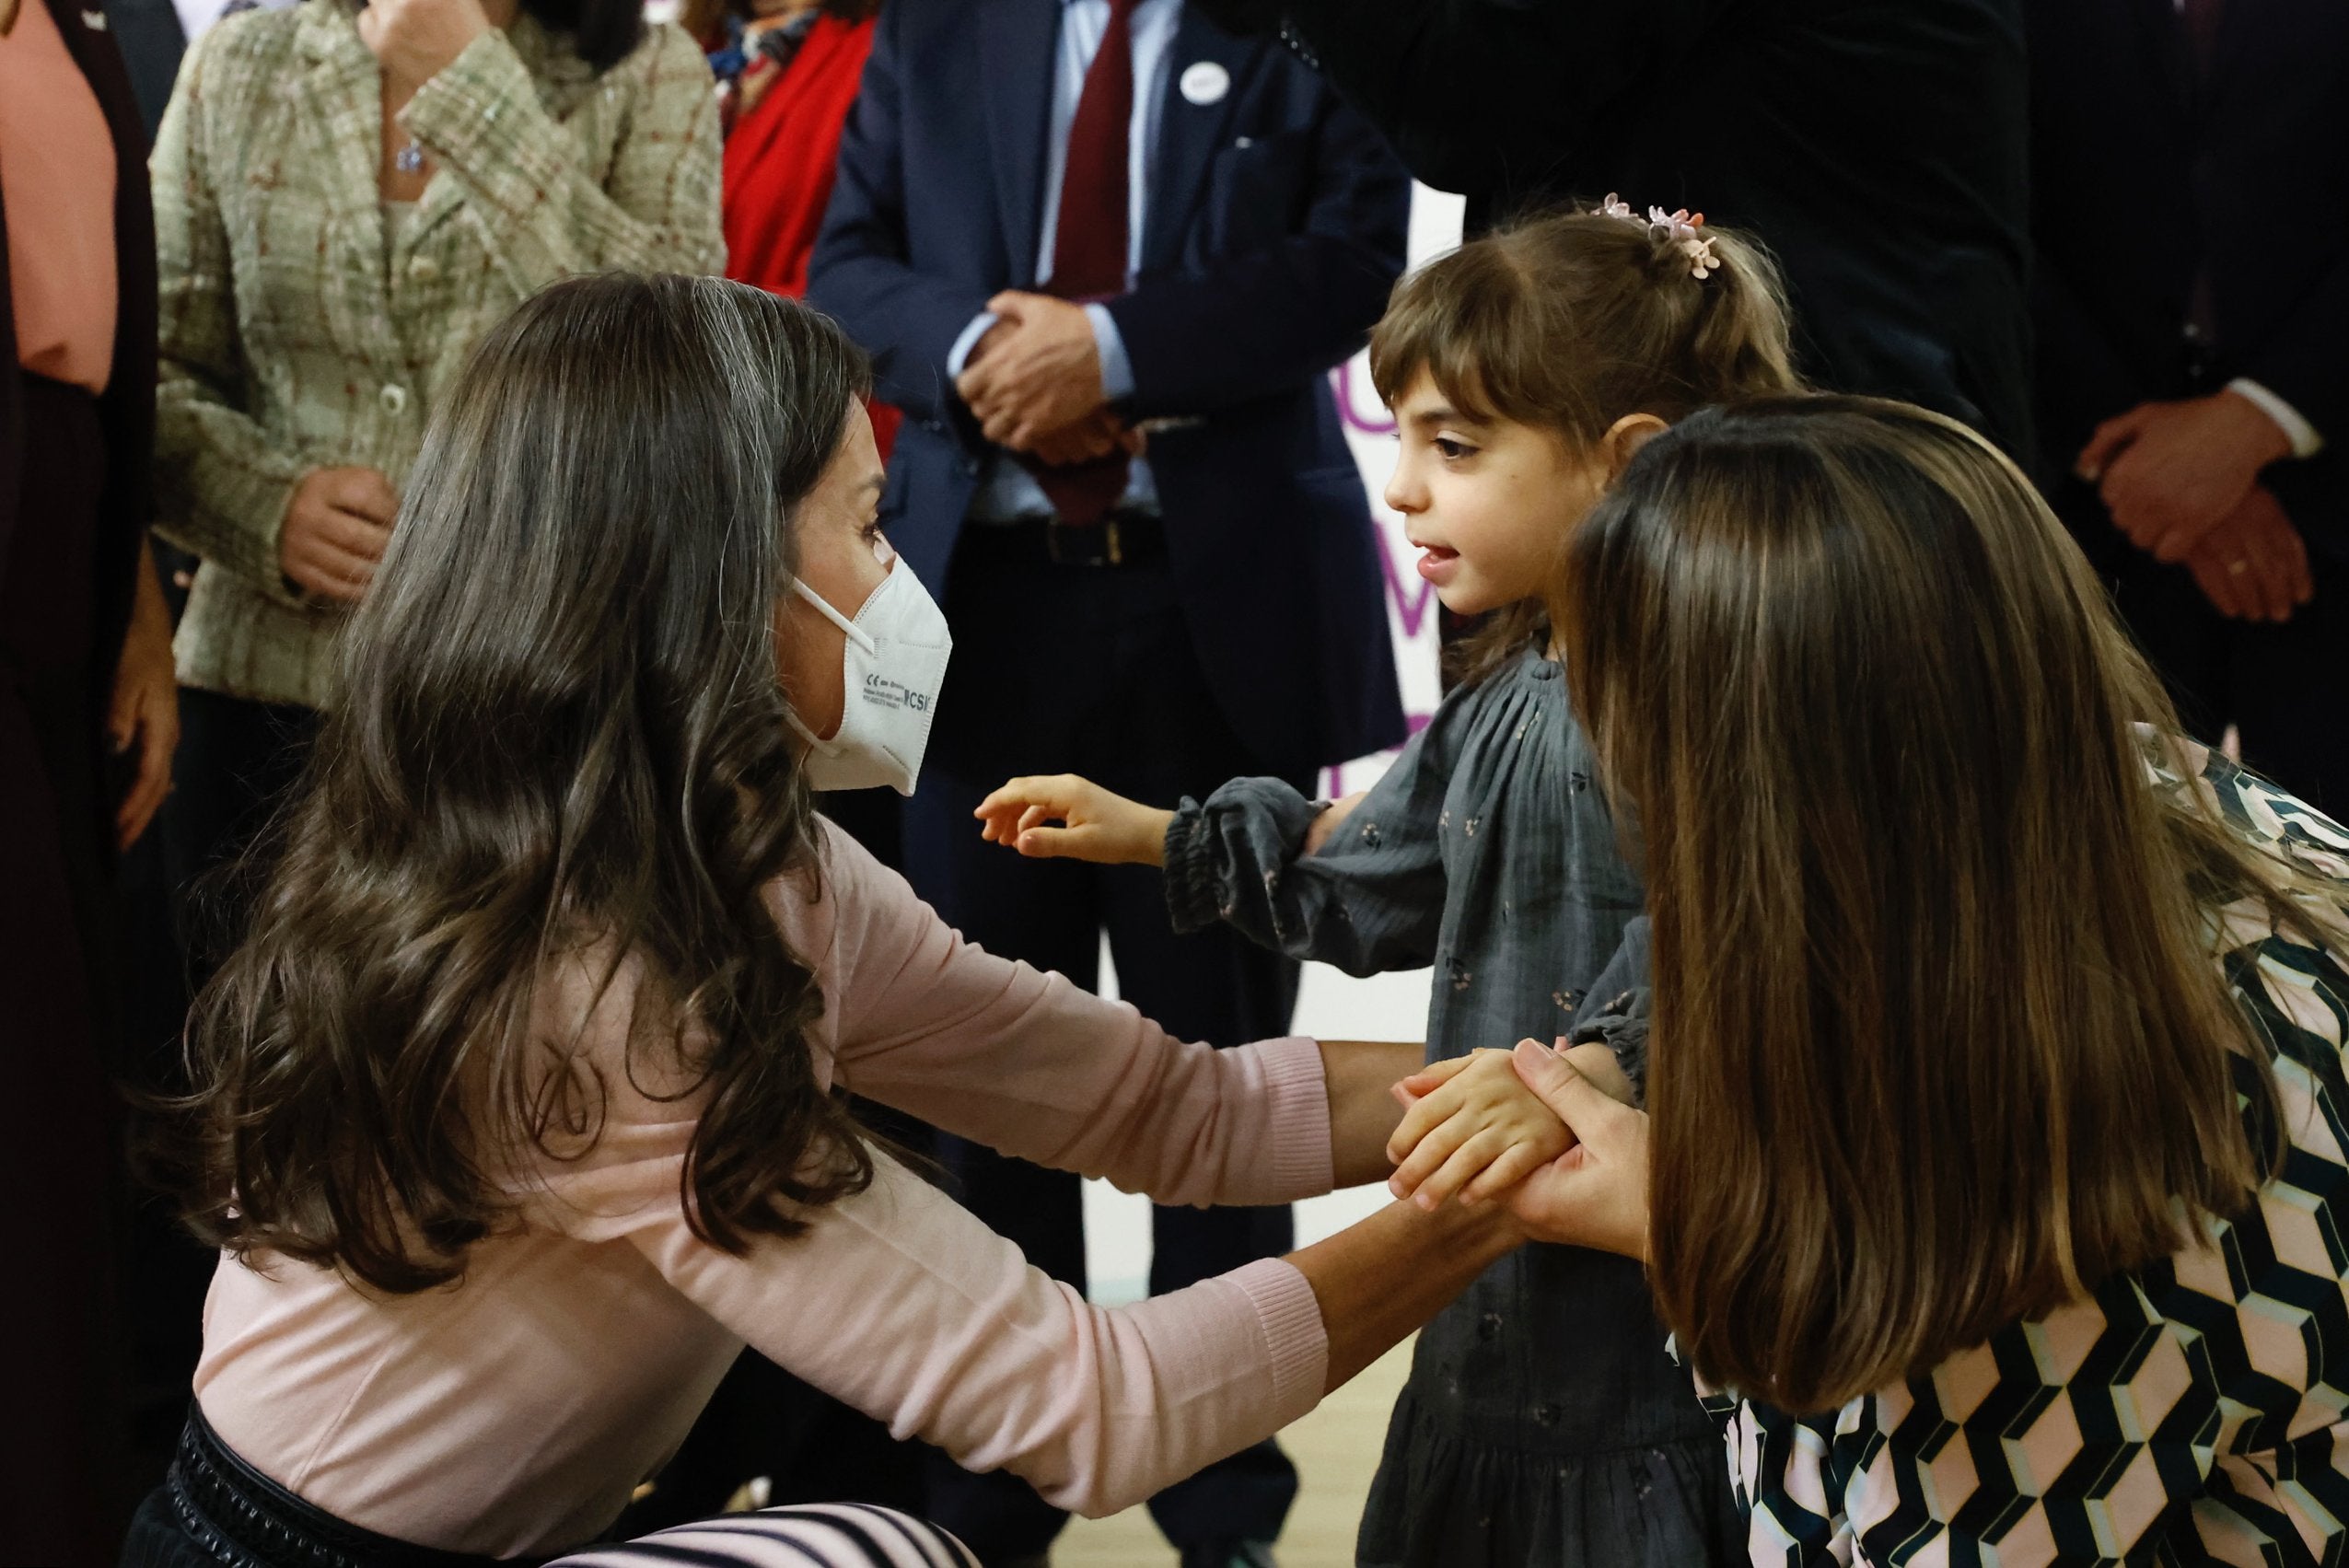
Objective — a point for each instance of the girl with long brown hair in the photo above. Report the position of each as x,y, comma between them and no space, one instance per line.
1523,369
515,1114
1992,1154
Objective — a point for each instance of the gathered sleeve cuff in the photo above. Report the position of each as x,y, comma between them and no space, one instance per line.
1251,829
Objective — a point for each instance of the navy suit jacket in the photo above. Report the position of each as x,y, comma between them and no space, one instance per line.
2141,174
1274,230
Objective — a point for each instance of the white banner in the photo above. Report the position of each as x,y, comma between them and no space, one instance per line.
1411,600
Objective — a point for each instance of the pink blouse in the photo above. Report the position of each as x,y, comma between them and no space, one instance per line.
513,1413
57,181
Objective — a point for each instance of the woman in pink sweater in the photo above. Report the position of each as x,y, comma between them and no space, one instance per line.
516,1115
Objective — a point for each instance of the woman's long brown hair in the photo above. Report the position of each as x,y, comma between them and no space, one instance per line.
1940,1040
559,735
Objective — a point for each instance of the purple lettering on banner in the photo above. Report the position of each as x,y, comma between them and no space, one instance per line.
1408,598
1380,424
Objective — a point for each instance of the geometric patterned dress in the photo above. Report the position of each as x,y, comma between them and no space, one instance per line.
2194,1411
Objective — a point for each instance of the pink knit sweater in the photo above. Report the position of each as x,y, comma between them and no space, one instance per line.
513,1413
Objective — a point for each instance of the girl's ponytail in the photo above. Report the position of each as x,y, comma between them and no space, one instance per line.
1738,344
1576,321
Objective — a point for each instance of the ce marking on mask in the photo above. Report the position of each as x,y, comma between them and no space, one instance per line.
883,692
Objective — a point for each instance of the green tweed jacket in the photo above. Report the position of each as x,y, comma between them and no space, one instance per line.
296,336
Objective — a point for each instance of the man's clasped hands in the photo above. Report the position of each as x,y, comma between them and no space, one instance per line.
2182,481
1550,1132
1034,383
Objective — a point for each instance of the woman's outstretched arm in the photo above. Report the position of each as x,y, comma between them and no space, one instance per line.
1364,1112
1380,1280
1027,1064
898,1302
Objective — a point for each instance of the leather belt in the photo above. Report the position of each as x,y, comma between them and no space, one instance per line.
1121,538
245,1520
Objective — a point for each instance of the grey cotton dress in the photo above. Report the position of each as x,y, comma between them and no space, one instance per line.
1543,1425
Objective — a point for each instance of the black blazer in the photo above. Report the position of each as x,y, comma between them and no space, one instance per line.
1876,146
1275,231
126,411
149,34
2142,174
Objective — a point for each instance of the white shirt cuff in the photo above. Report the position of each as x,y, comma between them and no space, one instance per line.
959,354
1117,370
2306,440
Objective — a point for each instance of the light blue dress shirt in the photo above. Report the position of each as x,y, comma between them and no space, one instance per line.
1009,491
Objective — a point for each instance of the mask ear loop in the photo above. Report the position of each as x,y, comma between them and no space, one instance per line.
815,742
856,634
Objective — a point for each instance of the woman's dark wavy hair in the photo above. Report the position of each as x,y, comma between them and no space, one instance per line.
605,32
559,733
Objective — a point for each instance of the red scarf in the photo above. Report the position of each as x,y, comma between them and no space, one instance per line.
779,162
779,159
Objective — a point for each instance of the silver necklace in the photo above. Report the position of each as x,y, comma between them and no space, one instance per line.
410,159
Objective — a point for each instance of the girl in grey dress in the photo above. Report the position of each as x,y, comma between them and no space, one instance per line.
1543,1425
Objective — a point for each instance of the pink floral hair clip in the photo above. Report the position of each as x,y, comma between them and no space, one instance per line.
1679,228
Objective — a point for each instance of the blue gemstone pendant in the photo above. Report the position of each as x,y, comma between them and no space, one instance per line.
409,160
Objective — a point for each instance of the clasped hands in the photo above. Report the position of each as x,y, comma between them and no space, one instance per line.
1549,1133
1034,383
2181,480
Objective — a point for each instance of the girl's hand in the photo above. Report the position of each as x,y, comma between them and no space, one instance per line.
1330,820
411,40
1105,829
1475,1130
1596,1195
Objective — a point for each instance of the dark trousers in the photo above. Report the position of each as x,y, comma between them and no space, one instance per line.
1091,671
2280,687
64,1496
238,763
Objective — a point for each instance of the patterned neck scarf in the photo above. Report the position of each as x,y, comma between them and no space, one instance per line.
747,67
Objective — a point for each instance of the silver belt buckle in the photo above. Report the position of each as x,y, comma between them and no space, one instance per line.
1110,534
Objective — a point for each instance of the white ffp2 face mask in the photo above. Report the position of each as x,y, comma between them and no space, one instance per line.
896,659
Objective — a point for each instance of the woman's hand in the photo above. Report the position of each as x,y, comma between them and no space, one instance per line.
1470,1127
145,710
1596,1194
413,38
1105,829
336,527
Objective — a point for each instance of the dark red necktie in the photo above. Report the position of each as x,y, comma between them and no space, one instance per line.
1090,241
2201,19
